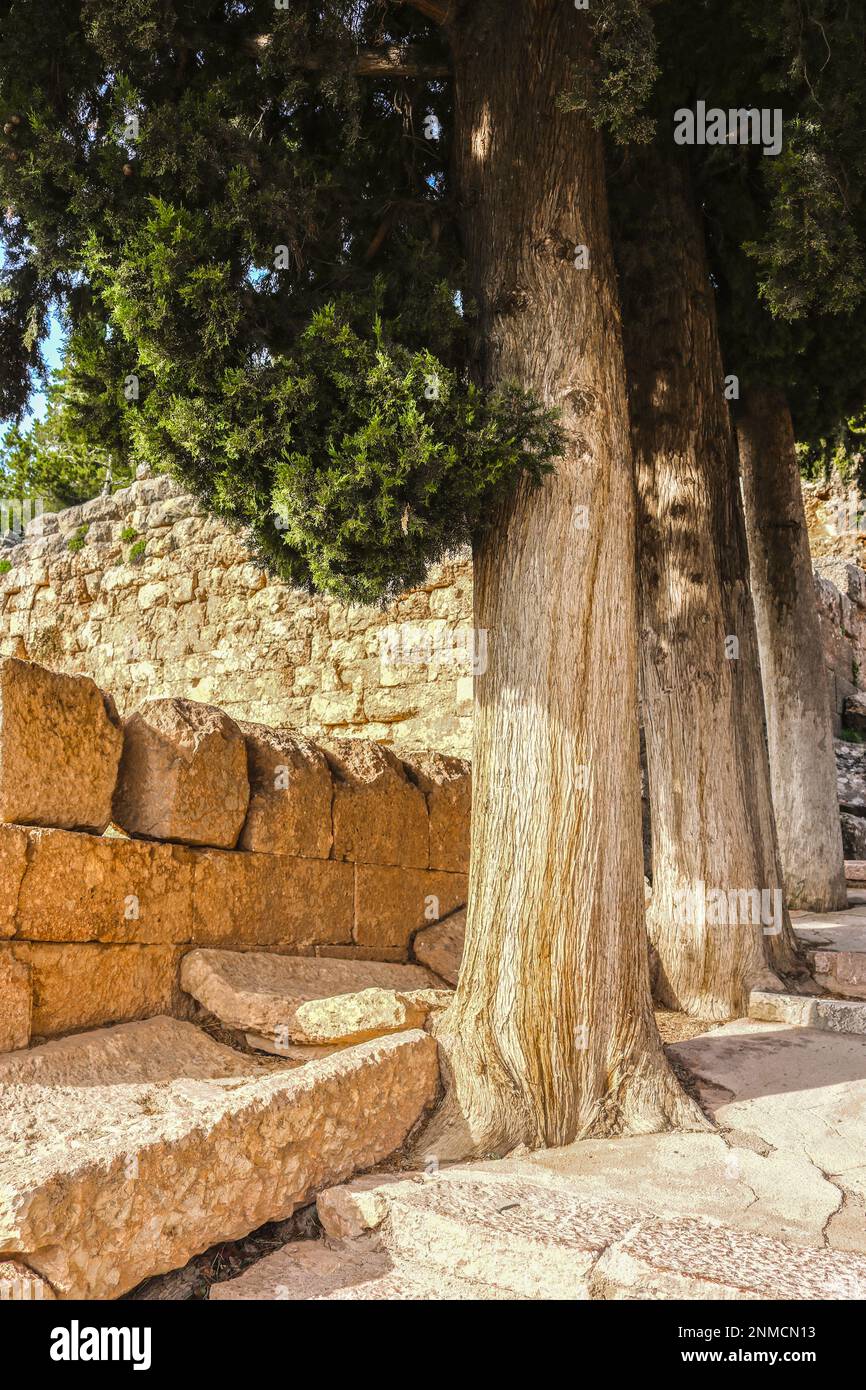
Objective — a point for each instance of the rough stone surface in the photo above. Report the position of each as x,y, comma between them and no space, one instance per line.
835,944
392,904
311,1272
853,835
60,744
699,1260
726,1177
290,795
354,1208
183,775
447,784
440,946
13,862
851,776
308,1001
86,986
798,1090
18,1284
380,817
270,899
855,871
163,1142
196,618
807,1011
16,1001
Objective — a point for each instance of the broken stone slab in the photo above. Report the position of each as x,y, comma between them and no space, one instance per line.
60,746
447,784
353,1209
309,1000
836,1015
16,1001
183,775
696,1259
440,946
149,1142
380,817
855,871
290,795
309,1270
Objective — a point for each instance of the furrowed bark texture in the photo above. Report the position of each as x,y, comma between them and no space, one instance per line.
712,815
551,1033
799,727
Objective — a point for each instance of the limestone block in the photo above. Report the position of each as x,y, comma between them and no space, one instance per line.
183,775
18,1284
308,1000
447,784
392,904
440,946
84,888
380,817
85,985
60,744
271,899
15,1001
13,861
290,795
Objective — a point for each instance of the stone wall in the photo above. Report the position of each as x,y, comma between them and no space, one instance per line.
151,598
264,841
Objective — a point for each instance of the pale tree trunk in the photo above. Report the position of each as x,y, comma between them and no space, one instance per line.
799,727
713,831
551,1033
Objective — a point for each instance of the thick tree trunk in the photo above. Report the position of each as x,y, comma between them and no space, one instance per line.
551,1033
799,728
712,817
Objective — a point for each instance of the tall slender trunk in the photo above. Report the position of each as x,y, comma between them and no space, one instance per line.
713,832
799,728
551,1033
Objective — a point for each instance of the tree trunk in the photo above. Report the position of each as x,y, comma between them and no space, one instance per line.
799,728
551,1033
712,817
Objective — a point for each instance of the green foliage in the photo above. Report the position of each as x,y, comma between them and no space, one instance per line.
128,534
259,284
76,541
5,566
618,86
136,552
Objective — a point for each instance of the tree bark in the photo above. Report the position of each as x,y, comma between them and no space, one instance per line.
551,1033
799,727
713,830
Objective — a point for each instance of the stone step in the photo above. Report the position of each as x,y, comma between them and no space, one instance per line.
146,1143
283,1003
809,1011
475,1235
835,945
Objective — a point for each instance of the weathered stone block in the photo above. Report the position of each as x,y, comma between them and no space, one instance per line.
380,817
440,946
80,888
60,744
391,904
290,795
15,1001
13,861
85,986
447,784
272,899
183,775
